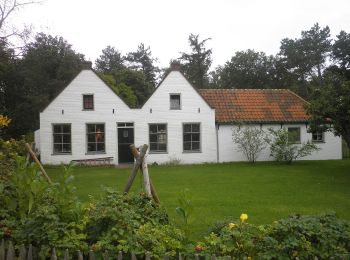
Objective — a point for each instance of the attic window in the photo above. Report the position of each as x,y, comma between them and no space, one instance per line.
175,101
88,102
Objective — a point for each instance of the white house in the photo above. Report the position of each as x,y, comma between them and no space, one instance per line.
87,120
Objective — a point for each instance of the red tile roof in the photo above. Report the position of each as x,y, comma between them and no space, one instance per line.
256,105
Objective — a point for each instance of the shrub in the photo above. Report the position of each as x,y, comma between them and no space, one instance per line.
114,218
283,149
251,141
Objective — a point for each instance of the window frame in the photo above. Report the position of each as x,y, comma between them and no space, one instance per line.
200,137
180,103
62,143
294,141
93,102
87,138
318,133
166,138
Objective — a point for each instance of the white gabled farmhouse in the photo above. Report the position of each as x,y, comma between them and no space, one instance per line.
88,120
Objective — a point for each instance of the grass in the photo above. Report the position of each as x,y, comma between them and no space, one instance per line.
265,191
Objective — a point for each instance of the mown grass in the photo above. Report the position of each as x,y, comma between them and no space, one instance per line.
266,191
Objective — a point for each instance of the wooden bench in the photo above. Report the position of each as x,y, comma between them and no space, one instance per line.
94,161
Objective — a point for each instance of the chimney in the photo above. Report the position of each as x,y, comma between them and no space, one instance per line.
175,65
87,65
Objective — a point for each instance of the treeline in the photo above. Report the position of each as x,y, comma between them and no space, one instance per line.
31,79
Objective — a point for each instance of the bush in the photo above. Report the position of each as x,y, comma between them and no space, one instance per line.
283,149
113,220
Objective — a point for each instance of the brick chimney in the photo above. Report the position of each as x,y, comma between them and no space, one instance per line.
87,65
175,65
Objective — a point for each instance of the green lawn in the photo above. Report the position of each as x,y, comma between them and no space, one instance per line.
265,191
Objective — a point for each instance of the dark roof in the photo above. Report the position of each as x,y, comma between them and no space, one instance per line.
256,105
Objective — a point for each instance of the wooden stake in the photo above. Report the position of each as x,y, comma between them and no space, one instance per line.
136,154
146,180
137,165
38,163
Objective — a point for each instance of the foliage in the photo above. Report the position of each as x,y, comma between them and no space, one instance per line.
4,121
330,108
142,60
284,150
122,90
113,219
185,209
110,61
159,240
197,63
324,236
36,212
251,141
341,50
9,150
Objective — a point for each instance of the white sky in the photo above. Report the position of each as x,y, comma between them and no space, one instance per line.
164,25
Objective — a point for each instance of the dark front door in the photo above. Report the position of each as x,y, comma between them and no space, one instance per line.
125,139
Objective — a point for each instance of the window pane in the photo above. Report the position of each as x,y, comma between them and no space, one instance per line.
91,147
162,147
195,128
91,128
187,128
153,128
66,138
57,129
88,101
161,128
57,148
294,134
158,137
195,137
100,147
100,137
187,137
66,148
153,146
153,138
187,146
175,101
91,138
66,129
57,138
195,146
100,128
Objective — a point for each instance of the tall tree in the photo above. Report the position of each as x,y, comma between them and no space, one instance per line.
341,54
142,60
48,65
110,60
247,69
197,63
306,56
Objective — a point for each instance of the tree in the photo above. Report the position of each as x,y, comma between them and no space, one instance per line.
8,31
283,149
247,69
111,60
306,56
142,60
330,108
197,63
341,50
47,66
251,141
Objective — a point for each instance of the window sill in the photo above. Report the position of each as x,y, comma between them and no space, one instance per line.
318,142
54,154
191,151
92,153
175,109
154,152
87,109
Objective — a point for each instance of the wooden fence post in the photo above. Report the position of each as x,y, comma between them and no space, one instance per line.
66,255
91,255
133,256
136,168
10,252
2,250
22,253
53,254
30,252
120,255
105,255
38,163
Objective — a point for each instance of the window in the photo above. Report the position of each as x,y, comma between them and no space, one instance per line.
95,138
158,138
294,134
318,137
175,101
62,142
88,102
191,137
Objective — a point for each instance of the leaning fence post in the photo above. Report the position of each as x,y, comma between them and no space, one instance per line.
120,255
10,252
2,250
22,253
53,254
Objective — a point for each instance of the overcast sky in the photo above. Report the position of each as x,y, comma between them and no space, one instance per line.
165,25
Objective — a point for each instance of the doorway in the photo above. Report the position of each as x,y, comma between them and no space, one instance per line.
125,139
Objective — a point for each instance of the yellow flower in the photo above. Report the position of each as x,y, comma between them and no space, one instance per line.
232,225
243,217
